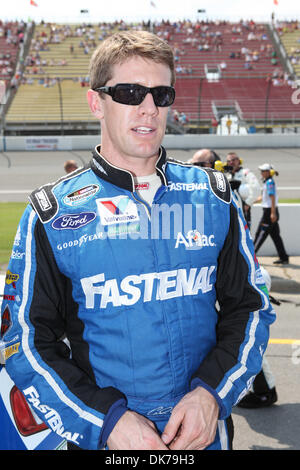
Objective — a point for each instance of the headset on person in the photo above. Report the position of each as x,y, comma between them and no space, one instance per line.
273,172
217,163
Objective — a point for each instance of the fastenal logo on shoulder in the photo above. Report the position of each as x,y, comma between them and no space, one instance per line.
178,186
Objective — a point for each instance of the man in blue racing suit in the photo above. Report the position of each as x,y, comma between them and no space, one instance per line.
138,315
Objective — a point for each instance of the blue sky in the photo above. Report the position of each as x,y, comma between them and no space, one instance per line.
137,10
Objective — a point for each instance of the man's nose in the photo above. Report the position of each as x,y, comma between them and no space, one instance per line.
148,106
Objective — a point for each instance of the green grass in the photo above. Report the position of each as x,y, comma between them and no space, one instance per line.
289,201
10,214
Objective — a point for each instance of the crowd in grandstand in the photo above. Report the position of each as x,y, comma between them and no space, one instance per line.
212,36
244,46
12,32
291,27
203,36
11,36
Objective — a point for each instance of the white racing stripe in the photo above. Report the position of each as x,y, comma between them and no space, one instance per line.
223,435
251,340
25,342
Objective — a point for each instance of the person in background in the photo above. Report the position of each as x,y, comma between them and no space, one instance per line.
244,183
205,158
268,224
70,165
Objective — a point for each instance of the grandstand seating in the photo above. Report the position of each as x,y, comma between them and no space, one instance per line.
290,38
36,104
249,95
66,50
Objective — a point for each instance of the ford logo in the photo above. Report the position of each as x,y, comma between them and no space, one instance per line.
73,221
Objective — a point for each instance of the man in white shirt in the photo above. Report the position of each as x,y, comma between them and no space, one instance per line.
244,183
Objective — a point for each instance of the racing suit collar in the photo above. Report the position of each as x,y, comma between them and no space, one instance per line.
120,177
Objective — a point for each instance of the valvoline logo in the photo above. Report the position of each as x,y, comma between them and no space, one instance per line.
73,221
118,207
117,210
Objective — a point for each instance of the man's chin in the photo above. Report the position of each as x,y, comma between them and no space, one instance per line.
146,151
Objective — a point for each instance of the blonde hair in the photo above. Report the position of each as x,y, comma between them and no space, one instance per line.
123,45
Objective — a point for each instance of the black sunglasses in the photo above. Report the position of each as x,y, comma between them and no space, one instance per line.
133,94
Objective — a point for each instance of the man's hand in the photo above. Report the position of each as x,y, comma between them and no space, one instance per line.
273,217
134,432
193,422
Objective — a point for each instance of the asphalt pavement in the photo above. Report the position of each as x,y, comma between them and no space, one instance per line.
277,427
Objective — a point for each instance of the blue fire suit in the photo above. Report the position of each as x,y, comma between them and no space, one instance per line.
117,305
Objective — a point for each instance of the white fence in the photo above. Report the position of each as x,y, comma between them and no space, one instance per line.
289,222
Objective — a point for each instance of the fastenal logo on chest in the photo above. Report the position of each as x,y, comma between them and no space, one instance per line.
99,291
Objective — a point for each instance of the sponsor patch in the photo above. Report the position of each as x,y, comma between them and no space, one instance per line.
11,278
81,195
6,322
16,254
52,417
17,239
220,180
187,186
43,200
117,210
10,350
194,240
99,291
141,186
9,297
73,221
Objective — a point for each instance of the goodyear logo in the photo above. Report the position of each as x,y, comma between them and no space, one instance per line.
11,278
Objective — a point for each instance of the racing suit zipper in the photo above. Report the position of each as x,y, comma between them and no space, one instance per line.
157,196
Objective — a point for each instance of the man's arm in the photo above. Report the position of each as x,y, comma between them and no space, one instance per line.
244,318
55,377
273,215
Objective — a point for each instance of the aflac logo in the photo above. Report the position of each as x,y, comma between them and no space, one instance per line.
73,221
194,240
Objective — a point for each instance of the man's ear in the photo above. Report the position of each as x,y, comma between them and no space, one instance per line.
94,102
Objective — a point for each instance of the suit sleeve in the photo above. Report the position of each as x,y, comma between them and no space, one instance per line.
51,366
244,316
